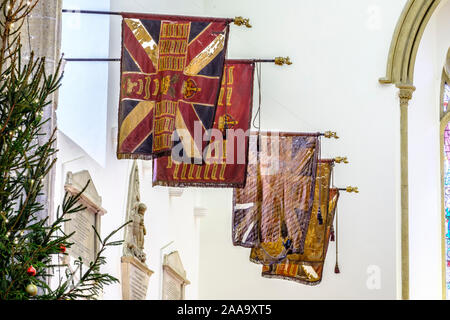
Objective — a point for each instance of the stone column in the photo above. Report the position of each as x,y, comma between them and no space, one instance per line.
405,94
41,33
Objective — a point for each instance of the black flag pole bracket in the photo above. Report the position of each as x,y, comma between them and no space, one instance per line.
91,59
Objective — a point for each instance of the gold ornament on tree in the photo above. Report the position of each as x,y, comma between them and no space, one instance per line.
31,289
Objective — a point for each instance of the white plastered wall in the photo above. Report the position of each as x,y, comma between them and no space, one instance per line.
339,50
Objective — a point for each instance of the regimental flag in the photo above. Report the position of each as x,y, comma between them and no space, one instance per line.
273,209
170,78
313,249
225,162
307,268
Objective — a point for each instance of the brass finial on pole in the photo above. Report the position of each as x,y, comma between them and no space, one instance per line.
352,189
282,61
240,21
330,134
349,189
341,160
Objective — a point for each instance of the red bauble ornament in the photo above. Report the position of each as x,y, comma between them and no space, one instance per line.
62,248
31,271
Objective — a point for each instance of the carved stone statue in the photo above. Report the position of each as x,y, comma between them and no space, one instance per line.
135,231
135,273
138,226
135,243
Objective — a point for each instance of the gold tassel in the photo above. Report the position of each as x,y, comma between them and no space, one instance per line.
336,268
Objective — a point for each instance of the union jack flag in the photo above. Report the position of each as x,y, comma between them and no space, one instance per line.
170,79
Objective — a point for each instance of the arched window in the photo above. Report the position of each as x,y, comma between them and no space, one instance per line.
445,147
446,95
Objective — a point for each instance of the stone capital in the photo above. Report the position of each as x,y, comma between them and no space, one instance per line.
405,94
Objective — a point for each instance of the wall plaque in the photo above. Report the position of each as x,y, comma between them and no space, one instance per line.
135,278
84,238
85,242
174,277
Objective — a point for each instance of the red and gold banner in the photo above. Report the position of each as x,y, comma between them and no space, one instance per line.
225,154
308,268
171,72
273,209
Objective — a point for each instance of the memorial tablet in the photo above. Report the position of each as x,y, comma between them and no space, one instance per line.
135,278
85,242
174,277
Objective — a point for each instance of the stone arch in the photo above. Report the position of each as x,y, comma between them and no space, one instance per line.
406,40
400,71
447,64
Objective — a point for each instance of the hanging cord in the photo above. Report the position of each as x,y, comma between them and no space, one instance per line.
334,234
332,227
288,243
258,111
258,137
319,180
336,267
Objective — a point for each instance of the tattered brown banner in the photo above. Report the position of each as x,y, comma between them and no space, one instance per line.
273,209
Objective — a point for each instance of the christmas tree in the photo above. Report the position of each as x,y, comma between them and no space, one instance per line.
31,247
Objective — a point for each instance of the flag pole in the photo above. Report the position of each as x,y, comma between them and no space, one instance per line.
111,13
239,21
326,134
278,60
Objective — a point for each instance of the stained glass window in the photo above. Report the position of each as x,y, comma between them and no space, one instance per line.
447,204
446,96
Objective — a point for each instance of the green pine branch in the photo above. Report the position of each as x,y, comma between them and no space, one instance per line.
27,154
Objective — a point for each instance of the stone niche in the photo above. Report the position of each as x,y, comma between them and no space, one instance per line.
174,277
135,273
85,242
